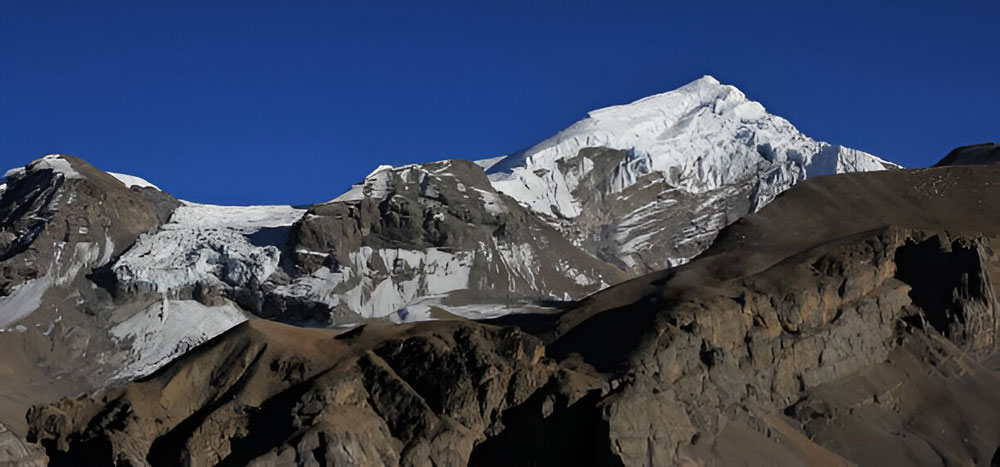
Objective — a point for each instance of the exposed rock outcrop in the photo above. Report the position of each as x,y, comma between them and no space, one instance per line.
60,216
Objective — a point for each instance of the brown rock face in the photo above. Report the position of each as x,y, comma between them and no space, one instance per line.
853,320
762,344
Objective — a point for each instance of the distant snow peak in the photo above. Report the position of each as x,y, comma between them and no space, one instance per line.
700,137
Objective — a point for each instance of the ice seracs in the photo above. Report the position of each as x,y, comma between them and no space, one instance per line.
218,245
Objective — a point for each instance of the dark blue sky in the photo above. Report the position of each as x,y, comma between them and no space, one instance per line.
263,103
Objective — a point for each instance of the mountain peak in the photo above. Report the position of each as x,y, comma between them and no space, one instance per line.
707,79
700,137
675,103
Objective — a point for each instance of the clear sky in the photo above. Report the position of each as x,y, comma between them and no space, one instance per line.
292,101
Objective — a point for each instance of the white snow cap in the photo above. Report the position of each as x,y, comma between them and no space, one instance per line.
56,163
14,173
377,183
701,136
53,162
131,181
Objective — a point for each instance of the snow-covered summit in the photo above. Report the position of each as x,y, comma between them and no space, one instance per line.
57,163
701,137
61,164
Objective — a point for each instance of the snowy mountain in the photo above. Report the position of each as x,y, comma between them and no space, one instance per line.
561,219
568,216
704,149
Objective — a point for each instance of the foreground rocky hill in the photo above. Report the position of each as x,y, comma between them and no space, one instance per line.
852,320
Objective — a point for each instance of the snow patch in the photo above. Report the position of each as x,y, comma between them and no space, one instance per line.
377,184
487,164
14,174
131,181
167,330
431,308
23,300
56,163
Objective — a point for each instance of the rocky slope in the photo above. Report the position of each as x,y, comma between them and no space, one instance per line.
704,153
809,333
